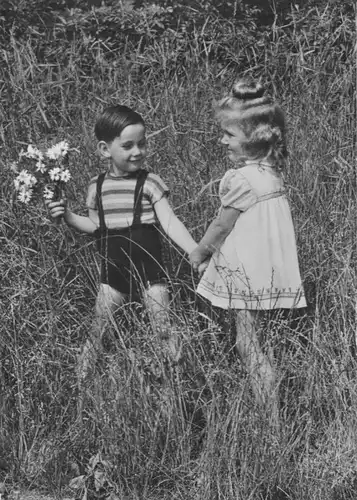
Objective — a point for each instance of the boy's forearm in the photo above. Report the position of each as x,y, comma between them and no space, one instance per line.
79,222
178,233
173,227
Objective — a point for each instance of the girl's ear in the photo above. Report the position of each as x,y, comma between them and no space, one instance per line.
103,149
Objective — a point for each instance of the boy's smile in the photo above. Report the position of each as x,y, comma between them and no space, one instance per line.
128,151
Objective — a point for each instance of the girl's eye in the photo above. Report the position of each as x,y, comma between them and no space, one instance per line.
142,144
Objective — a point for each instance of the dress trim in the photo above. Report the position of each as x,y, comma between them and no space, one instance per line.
273,296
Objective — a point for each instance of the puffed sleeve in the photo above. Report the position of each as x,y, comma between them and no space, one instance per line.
91,201
236,192
155,188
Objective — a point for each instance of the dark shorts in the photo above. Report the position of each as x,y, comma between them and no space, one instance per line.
131,259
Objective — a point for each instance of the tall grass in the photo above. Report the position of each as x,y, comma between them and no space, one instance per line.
193,431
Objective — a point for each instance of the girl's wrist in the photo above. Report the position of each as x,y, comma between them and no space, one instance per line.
204,251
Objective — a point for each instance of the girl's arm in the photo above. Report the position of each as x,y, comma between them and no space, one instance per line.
217,232
172,226
78,222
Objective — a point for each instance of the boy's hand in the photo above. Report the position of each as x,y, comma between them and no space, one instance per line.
57,208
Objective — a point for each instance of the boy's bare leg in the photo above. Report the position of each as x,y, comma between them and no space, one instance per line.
259,365
157,303
107,301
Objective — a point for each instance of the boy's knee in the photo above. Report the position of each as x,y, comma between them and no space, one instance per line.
108,299
157,296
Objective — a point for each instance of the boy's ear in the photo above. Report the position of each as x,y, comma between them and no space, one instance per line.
103,149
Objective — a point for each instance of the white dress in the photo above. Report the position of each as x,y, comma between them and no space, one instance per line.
256,267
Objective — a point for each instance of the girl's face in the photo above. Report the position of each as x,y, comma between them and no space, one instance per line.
234,138
128,151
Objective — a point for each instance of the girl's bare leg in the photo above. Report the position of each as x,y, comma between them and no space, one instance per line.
107,301
157,303
259,365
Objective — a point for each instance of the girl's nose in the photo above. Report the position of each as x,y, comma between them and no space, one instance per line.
224,140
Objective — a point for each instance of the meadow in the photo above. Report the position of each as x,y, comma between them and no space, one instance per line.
205,438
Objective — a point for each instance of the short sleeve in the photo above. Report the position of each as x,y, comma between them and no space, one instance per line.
91,201
236,192
155,188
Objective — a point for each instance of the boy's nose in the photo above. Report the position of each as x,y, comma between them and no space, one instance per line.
224,140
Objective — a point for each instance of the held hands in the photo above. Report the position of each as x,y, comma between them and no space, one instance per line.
197,261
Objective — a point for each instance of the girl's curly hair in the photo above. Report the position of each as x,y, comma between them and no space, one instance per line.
261,119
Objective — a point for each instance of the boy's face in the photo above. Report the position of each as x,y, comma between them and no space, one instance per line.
128,151
234,138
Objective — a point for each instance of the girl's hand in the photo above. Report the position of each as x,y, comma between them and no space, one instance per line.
202,267
57,208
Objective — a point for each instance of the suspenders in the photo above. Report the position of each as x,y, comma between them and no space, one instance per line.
138,196
131,256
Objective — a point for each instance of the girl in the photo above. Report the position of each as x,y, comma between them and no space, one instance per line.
254,265
125,205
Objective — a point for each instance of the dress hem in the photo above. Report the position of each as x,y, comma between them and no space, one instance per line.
254,302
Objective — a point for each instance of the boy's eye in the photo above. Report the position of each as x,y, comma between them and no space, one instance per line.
130,145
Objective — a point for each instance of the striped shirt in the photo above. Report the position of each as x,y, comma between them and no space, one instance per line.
118,199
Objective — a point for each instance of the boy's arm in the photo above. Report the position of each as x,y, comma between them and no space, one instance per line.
94,217
172,226
79,222
217,232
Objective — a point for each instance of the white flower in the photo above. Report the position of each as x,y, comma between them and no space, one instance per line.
58,150
33,152
24,177
48,193
55,174
32,181
40,166
34,169
25,195
65,176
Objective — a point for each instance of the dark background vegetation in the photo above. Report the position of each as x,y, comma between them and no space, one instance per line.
60,63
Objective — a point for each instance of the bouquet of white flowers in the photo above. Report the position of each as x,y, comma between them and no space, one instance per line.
41,173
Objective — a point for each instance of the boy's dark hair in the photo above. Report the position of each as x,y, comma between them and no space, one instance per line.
113,120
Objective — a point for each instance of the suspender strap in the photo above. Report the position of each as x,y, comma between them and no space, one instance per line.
100,180
138,196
